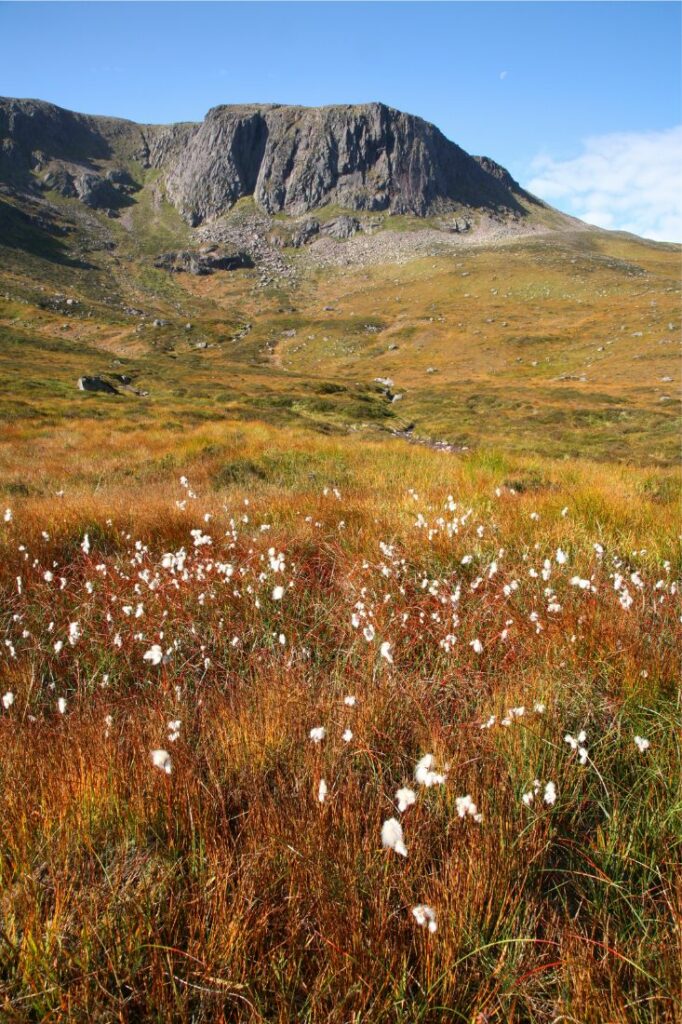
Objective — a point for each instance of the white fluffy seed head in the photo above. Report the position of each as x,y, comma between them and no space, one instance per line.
161,759
392,836
405,797
425,916
423,774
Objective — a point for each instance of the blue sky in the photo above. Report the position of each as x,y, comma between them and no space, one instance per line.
555,91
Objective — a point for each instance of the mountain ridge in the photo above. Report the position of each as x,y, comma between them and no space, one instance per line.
291,159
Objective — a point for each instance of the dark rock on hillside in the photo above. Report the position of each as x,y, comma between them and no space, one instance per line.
342,227
202,262
100,192
502,175
96,384
367,157
292,159
304,232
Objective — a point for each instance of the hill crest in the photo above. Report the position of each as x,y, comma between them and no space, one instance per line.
291,159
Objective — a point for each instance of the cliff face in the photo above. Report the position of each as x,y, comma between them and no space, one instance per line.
292,159
299,158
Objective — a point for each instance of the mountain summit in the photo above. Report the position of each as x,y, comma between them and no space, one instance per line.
290,159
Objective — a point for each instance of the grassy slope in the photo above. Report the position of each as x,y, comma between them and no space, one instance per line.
225,891
558,344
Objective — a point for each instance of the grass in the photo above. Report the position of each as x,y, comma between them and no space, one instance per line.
562,344
225,890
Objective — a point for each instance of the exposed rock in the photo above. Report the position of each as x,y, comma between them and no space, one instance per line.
304,232
203,262
498,172
364,157
341,227
97,384
59,180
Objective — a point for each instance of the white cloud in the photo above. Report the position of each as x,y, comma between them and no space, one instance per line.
628,181
503,75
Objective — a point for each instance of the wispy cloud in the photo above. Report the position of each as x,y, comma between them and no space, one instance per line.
503,75
629,181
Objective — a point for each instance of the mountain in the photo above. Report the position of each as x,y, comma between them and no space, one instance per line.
345,268
291,159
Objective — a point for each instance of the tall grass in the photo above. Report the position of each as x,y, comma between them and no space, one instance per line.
225,891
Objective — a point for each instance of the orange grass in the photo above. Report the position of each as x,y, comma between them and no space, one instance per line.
225,891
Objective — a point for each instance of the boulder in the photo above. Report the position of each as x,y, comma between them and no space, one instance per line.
304,232
202,262
341,227
96,384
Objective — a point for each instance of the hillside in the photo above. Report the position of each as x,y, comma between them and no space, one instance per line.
339,582
496,319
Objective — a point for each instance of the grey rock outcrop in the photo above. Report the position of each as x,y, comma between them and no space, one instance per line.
203,262
342,227
295,159
366,157
96,384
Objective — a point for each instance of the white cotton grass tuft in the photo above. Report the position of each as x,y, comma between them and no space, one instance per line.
277,593
578,743
161,759
350,701
317,734
347,736
7,700
425,916
642,743
405,798
466,806
392,836
154,655
385,651
425,776
61,705
322,791
548,796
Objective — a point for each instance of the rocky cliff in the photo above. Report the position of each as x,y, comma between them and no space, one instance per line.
292,159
